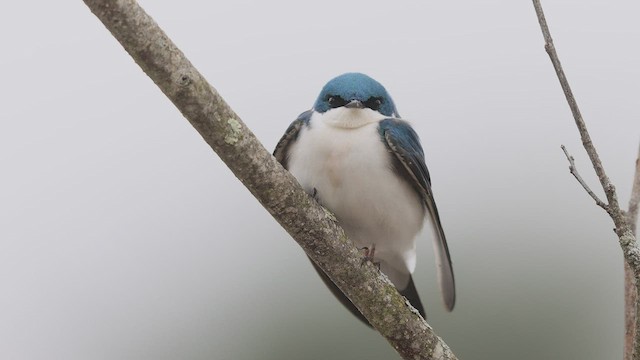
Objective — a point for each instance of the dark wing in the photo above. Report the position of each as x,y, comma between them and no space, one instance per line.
281,152
404,143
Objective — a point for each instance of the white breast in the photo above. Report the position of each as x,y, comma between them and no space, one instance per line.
351,170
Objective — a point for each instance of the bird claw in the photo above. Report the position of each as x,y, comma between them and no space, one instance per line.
369,254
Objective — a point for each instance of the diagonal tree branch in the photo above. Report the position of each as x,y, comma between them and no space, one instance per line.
625,225
616,213
308,223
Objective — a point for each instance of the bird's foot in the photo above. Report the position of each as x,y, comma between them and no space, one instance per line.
369,254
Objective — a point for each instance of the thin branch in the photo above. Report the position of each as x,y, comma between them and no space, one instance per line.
574,171
276,189
616,213
624,227
608,188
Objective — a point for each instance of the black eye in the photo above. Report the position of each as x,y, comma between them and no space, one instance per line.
336,101
373,103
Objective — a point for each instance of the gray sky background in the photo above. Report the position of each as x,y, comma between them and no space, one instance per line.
122,236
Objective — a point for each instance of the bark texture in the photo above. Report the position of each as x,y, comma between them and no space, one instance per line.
312,226
631,303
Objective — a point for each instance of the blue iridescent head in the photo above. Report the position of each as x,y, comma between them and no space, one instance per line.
355,90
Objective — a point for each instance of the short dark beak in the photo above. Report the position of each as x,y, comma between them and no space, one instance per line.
354,104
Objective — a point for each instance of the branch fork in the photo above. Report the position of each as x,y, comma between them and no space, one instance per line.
625,221
574,171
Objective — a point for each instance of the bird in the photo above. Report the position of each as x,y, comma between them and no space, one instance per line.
360,160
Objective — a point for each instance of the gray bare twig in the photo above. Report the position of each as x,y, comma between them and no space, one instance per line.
574,171
276,189
625,224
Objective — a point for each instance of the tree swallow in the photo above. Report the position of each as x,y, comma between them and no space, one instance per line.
365,164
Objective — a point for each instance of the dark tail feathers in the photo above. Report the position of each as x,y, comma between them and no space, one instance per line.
409,292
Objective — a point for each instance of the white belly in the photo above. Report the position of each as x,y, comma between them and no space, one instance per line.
354,178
